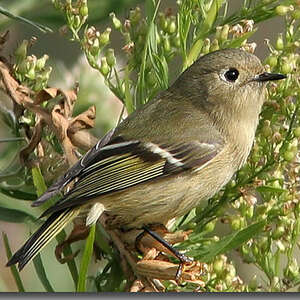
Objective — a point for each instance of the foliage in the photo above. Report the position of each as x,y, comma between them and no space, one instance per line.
260,207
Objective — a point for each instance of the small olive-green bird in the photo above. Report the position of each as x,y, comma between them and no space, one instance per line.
162,160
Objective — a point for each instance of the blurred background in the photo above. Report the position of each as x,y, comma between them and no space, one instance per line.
70,66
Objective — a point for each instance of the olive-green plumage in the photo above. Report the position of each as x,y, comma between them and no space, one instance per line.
176,151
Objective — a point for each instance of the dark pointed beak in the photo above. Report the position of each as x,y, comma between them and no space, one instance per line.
268,77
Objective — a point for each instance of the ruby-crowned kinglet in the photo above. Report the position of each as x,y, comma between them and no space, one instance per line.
160,162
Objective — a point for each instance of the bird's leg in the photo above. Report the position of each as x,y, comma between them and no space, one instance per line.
182,258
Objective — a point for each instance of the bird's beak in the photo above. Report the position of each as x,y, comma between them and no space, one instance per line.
268,77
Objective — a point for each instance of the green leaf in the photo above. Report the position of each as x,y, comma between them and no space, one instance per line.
18,194
88,250
13,268
229,242
40,270
38,181
40,27
16,216
238,41
270,189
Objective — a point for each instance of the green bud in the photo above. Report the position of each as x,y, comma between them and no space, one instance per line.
272,61
218,32
249,212
162,21
253,283
104,37
176,41
266,130
210,226
218,266
135,15
280,246
104,68
172,26
255,250
279,42
279,232
40,63
263,243
296,14
166,44
23,67
297,132
224,33
116,22
21,51
95,48
288,156
275,284
110,57
83,10
214,45
237,223
282,10
286,67
31,67
206,46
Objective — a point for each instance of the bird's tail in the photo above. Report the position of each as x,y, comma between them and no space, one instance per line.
52,226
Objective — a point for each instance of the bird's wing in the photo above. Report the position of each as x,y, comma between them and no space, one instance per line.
123,164
74,171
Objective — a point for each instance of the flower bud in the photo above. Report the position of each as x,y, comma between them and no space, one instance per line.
224,33
279,232
95,47
31,67
104,37
296,14
83,10
280,246
40,63
110,57
279,42
163,23
172,25
253,283
23,67
297,132
116,22
218,266
266,130
21,51
166,44
282,10
214,45
218,32
175,41
104,68
135,15
206,46
210,226
272,61
288,156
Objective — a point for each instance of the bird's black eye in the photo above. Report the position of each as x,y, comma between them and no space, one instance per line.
231,75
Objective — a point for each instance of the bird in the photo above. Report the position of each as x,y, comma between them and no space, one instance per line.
165,158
